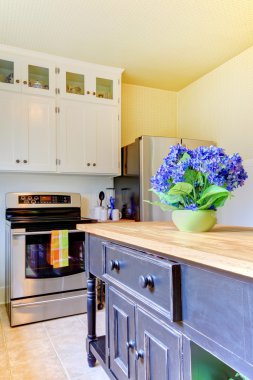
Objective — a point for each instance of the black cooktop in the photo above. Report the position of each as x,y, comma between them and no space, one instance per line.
45,219
47,224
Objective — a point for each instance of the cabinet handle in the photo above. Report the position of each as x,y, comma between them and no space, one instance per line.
94,164
25,82
88,164
88,92
93,93
25,161
139,354
17,80
114,265
17,161
130,344
146,281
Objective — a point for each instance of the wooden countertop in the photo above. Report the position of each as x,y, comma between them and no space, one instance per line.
225,247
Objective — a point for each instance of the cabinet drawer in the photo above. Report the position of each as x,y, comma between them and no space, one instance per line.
156,281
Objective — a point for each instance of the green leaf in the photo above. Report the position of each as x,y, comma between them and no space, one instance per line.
181,188
212,190
200,179
185,157
163,206
168,199
191,176
213,196
217,200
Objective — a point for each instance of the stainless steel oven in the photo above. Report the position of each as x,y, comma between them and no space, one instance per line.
35,289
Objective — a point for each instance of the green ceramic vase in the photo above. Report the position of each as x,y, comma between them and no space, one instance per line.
194,221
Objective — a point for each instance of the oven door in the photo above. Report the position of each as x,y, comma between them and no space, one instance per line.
31,272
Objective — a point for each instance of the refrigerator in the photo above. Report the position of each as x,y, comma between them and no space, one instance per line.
140,161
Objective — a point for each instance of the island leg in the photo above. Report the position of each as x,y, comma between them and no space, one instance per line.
91,317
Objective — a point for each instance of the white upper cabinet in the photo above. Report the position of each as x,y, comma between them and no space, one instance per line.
28,75
58,115
84,83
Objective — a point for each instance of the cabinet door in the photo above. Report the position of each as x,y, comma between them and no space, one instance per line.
102,139
10,73
72,82
104,87
39,115
38,77
89,138
72,136
13,133
27,133
158,348
121,336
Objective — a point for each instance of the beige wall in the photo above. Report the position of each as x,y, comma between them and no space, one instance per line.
219,106
147,111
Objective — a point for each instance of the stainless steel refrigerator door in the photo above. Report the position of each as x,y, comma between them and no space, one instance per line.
152,152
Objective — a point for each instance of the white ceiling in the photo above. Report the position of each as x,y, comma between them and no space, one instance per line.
165,44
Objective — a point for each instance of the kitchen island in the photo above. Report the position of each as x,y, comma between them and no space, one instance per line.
178,305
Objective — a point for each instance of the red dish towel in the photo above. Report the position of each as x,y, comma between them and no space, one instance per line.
59,252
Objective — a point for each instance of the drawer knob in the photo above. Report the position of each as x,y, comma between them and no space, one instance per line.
146,281
139,354
114,264
130,344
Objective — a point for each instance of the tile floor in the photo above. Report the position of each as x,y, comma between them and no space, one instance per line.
50,350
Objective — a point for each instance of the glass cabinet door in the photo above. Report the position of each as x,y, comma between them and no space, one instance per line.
71,82
38,78
106,89
75,83
9,74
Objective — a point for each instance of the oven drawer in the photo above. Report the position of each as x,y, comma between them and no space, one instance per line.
155,280
41,308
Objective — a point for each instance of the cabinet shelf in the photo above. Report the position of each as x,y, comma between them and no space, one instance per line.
97,348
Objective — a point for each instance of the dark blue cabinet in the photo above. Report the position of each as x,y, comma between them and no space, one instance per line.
121,314
167,320
141,346
158,348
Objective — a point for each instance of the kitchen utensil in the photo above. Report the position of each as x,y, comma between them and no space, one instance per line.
101,197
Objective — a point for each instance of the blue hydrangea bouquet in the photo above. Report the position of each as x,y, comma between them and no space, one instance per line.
198,179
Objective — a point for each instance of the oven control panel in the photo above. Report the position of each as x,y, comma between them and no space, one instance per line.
44,199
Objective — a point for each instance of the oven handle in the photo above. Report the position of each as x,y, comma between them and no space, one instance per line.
43,302
41,233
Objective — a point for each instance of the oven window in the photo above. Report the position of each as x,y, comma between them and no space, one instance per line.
37,263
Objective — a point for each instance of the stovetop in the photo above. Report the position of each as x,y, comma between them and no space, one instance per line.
48,223
48,219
